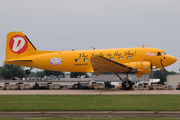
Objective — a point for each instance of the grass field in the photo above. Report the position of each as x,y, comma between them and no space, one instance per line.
89,102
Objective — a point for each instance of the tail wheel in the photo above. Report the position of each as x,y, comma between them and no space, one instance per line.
127,86
27,71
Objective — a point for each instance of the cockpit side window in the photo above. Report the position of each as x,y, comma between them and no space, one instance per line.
158,53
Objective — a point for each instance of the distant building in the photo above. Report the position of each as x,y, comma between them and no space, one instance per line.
114,78
173,80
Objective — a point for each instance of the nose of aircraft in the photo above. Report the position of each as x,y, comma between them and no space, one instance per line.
168,60
173,59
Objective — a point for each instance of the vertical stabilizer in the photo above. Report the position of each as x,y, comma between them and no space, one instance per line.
18,45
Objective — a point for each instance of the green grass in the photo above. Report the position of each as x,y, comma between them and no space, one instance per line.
89,102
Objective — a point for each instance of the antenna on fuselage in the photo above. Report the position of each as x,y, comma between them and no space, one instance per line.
93,48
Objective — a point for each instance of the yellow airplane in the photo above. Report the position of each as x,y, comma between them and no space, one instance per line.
20,51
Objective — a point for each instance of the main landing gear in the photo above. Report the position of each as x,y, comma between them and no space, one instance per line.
29,71
127,85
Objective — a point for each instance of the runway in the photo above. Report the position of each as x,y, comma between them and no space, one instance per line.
87,92
91,114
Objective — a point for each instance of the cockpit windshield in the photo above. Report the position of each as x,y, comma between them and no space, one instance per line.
163,53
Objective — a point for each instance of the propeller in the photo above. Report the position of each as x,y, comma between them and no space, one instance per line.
151,70
162,66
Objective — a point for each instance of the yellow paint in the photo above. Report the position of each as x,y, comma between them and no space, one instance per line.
80,61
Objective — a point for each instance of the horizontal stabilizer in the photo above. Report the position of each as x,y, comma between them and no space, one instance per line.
19,60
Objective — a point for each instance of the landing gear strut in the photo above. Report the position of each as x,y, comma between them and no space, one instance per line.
29,71
127,85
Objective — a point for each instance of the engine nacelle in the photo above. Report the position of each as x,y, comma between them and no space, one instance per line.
142,67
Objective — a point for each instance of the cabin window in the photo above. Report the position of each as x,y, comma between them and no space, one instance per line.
111,58
158,53
85,60
120,58
76,60
128,58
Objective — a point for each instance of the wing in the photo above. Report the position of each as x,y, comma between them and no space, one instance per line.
101,64
23,59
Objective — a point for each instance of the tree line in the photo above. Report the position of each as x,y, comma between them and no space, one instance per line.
158,74
8,71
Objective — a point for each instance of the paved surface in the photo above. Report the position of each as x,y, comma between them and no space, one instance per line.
90,114
96,92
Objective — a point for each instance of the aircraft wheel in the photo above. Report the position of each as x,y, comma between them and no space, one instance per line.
127,86
27,71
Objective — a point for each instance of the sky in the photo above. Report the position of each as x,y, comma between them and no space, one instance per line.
56,25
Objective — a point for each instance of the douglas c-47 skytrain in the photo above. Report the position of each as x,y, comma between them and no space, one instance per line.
20,51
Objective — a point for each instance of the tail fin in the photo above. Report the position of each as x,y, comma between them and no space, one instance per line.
18,45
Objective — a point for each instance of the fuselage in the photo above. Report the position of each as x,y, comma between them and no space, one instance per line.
79,61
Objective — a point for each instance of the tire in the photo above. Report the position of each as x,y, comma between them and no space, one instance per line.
27,71
128,86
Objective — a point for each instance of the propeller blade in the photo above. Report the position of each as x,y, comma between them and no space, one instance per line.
151,70
162,66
